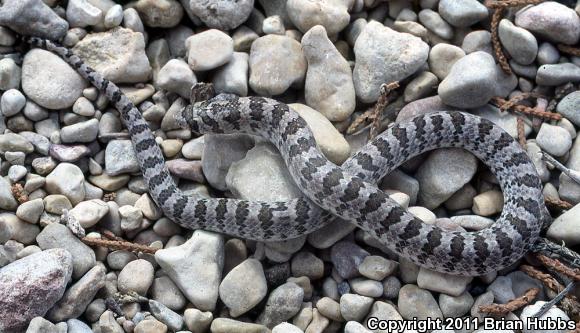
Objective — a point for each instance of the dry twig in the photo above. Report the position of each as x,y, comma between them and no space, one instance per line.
109,196
499,54
557,203
511,3
556,265
569,49
514,304
119,245
527,110
19,193
374,115
521,131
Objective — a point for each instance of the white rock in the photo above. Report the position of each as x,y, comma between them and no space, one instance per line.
209,49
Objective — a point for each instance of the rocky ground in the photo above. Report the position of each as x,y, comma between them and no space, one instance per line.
64,149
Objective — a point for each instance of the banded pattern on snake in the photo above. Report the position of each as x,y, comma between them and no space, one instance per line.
346,192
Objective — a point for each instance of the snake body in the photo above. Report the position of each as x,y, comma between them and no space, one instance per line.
346,192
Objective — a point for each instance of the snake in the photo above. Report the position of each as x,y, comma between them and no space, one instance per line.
346,192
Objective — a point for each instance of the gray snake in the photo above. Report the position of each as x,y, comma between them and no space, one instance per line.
345,192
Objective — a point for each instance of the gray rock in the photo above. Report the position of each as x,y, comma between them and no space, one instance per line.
355,327
283,303
452,285
67,179
332,96
329,234
520,43
383,311
32,285
76,299
548,54
552,315
273,25
209,49
30,211
391,287
455,306
226,325
85,131
233,77
136,276
223,15
32,18
569,106
286,328
555,140
220,151
330,141
107,323
329,308
566,226
90,212
113,17
243,287
367,287
165,315
10,74
332,15
276,63
355,307
84,107
307,264
196,267
159,14
120,158
443,173
552,21
7,200
442,57
502,289
116,260
416,302
479,40
118,54
375,66
77,326
167,293
60,237
81,13
421,86
471,81
12,102
377,268
462,13
272,183
49,81
197,321
435,23
505,120
346,257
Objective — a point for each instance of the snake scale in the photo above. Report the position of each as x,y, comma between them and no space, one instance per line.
345,192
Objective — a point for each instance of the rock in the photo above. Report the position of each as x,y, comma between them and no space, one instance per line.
113,17
442,57
330,141
383,311
488,203
346,258
519,42
107,323
307,264
67,179
233,77
329,308
49,81
366,287
286,328
7,200
569,106
502,290
462,14
552,21
12,102
60,237
507,121
40,324
109,183
136,276
209,49
76,299
452,285
223,15
455,306
553,314
415,302
332,15
225,325
32,285
177,77
355,327
120,158
88,213
32,18
435,23
377,268
173,320
421,86
196,267
150,326
273,25
471,81
566,226
355,307
131,218
391,287
555,140
77,326
84,107
197,321
81,13
159,13
557,74
56,204
548,54
85,131
329,234
276,63
118,54
243,287
220,151
30,211
283,303
401,56
10,74
332,96
444,172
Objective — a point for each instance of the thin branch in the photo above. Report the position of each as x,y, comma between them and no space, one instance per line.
557,203
527,110
119,245
514,304
573,174
548,305
556,265
496,43
569,49
511,3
